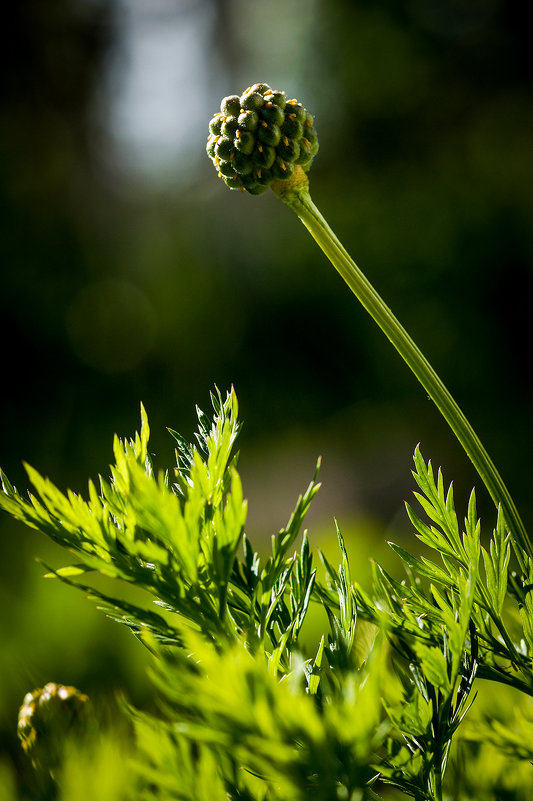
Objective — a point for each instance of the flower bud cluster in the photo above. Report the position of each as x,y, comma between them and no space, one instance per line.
260,137
47,718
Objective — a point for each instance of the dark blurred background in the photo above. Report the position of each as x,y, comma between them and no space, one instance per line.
130,273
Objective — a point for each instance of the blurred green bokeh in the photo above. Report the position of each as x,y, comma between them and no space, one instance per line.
131,274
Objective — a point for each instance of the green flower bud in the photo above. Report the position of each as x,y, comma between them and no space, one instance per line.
242,164
305,152
292,128
226,169
48,719
261,88
278,98
252,101
264,156
244,141
215,126
211,147
251,184
272,113
288,149
295,109
263,176
224,148
256,189
234,182
259,138
230,106
229,127
282,169
269,134
248,120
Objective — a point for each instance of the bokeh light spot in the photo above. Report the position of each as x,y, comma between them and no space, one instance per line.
111,325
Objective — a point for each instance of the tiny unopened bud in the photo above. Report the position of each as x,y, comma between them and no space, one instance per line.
48,719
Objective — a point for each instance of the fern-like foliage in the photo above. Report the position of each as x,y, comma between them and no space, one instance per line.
245,713
451,620
271,738
467,586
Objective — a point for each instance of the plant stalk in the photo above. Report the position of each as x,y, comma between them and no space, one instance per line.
295,193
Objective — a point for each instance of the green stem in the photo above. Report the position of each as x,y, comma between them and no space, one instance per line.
295,193
437,792
498,675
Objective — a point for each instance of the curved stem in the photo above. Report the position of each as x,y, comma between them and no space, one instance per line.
295,193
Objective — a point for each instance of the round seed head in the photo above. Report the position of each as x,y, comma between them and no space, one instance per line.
259,137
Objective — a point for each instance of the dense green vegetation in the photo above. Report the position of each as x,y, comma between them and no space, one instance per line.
430,109
245,707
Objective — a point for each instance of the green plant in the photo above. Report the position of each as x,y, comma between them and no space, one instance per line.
379,705
293,189
245,712
260,137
